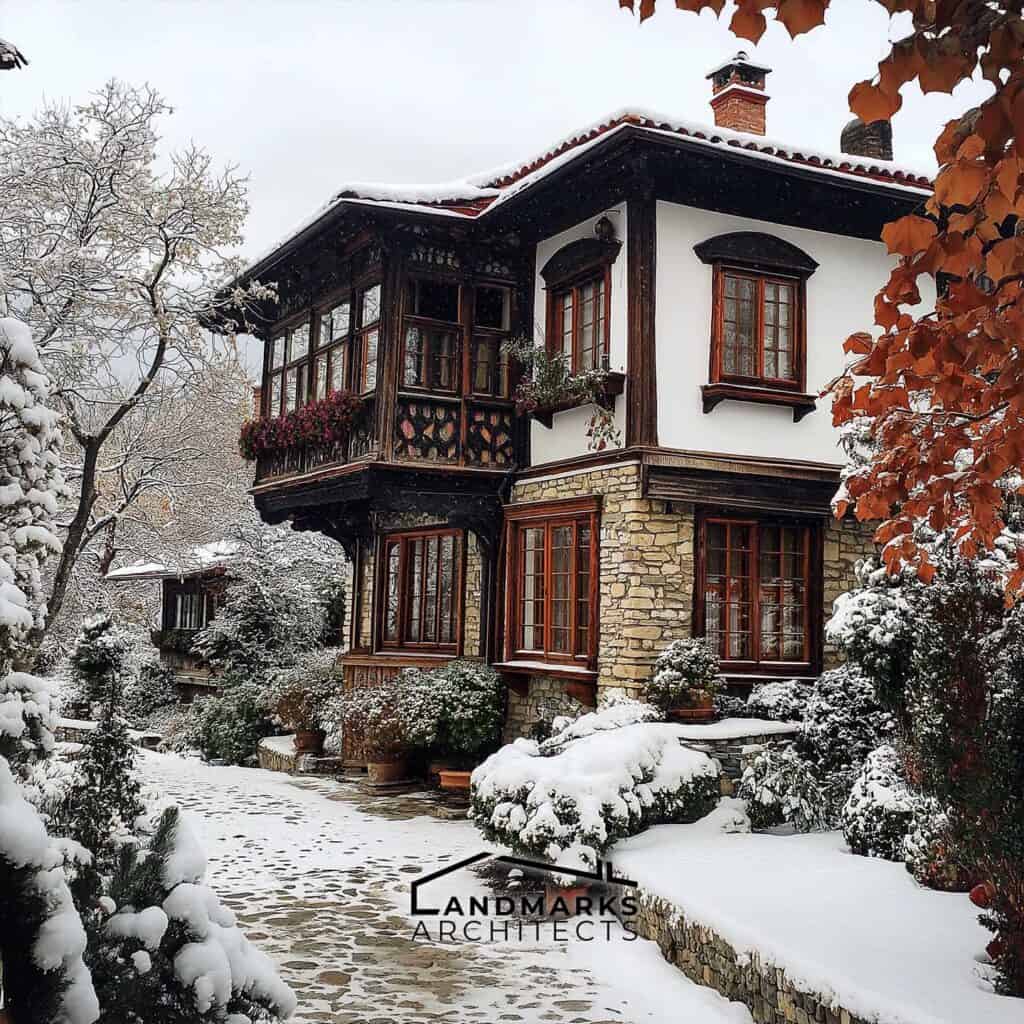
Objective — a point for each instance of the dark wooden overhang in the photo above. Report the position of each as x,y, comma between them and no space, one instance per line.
342,502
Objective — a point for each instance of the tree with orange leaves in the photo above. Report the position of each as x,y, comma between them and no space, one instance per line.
943,391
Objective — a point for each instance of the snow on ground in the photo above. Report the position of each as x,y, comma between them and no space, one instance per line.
319,875
855,927
736,728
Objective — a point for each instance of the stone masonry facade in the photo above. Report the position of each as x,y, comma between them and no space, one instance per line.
647,573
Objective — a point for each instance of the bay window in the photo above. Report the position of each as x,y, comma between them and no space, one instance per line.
552,582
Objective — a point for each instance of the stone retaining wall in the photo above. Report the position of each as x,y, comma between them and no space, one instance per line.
706,958
735,754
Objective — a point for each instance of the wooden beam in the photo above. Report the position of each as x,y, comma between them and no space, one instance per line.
641,388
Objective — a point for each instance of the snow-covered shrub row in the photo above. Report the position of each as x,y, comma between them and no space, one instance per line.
881,807
686,670
571,800
728,705
226,726
782,700
808,781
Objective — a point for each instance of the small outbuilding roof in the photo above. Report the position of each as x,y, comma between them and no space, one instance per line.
198,560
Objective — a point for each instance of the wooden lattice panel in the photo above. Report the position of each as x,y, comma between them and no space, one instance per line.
489,437
427,430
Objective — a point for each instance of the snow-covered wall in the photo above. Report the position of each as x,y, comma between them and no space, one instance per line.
568,436
840,296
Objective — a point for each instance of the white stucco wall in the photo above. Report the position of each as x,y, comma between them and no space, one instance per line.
840,296
567,437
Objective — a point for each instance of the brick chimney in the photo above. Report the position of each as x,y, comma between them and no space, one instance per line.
738,97
872,140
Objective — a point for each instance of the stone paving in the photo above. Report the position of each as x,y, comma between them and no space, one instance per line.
319,873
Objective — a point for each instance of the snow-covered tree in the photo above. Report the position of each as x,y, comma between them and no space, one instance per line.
98,660
115,256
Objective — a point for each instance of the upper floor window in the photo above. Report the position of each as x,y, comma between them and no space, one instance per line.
489,366
755,337
580,323
754,592
758,323
331,365
431,338
552,592
289,369
578,281
368,339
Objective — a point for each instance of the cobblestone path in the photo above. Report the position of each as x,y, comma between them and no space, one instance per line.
319,874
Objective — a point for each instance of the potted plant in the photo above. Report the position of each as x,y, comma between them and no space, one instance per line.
380,714
685,680
456,714
301,700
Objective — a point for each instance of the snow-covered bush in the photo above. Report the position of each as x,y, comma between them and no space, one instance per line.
150,690
874,625
379,715
166,949
780,785
301,696
728,705
783,700
579,794
880,810
928,849
686,671
807,782
99,661
455,710
226,726
613,713
844,722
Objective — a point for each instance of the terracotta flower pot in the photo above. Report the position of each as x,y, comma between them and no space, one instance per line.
387,771
309,741
453,779
568,897
701,710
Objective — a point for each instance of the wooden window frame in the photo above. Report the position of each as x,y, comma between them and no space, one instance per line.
490,335
813,592
362,332
717,375
303,364
333,347
547,516
404,538
427,325
573,286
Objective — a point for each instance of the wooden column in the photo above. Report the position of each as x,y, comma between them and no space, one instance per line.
641,386
389,351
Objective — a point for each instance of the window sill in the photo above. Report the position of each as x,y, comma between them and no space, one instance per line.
615,385
801,404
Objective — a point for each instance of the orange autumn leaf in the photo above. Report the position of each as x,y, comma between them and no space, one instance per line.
801,15
960,183
869,103
908,235
748,23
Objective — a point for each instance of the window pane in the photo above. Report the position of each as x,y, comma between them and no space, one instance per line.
739,326
443,361
334,323
437,300
564,322
532,601
778,331
277,352
413,374
369,310
415,601
320,376
561,587
369,360
291,396
392,598
446,634
338,368
492,308
583,589
432,546
275,395
299,343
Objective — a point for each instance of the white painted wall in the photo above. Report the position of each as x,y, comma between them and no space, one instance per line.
840,296
568,435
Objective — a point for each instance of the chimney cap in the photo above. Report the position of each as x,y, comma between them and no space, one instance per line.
740,59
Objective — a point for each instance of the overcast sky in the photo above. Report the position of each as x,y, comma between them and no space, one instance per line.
306,95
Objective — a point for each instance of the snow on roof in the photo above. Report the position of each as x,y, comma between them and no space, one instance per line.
478,194
198,559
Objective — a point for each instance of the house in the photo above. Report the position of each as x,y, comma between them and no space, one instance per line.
712,272
190,594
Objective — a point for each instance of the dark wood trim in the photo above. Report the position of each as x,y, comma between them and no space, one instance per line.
577,260
758,251
713,394
526,510
642,393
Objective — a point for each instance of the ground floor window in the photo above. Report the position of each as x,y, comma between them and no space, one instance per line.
552,581
420,589
755,594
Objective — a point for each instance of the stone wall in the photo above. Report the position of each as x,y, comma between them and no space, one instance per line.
845,543
544,698
706,958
